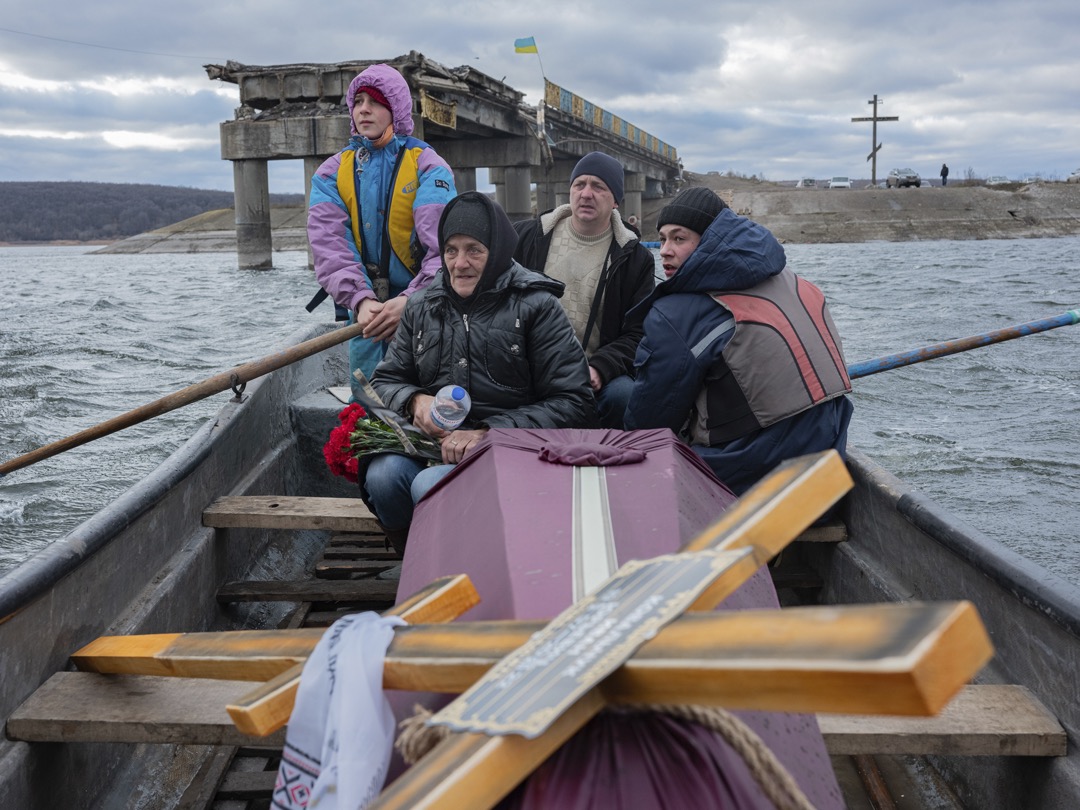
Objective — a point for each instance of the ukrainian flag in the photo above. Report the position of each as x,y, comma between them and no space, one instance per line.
526,45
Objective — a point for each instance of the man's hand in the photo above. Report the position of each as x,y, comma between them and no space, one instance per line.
366,310
420,411
594,379
383,325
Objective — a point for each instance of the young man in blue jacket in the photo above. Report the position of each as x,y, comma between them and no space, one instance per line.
740,357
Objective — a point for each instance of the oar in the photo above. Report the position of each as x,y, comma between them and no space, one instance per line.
193,393
868,367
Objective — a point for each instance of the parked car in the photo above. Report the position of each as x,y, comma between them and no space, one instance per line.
1074,177
900,178
840,182
807,182
997,180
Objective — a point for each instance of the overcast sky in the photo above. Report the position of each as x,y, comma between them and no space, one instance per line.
115,91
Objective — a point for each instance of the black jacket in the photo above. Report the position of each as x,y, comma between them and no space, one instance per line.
629,279
510,345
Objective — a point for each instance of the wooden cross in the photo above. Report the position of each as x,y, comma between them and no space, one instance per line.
895,659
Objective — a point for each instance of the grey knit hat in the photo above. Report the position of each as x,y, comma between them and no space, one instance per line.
606,168
466,215
693,208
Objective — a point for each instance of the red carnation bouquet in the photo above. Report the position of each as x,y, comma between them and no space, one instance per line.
360,435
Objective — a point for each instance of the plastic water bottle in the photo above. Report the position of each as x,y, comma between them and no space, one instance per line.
450,407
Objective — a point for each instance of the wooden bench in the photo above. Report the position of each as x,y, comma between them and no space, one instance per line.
290,512
983,720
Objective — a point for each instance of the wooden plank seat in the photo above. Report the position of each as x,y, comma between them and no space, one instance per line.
834,531
89,707
983,720
290,512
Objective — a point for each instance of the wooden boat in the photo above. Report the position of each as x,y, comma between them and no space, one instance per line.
161,560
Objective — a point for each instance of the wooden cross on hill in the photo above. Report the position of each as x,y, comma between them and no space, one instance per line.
629,642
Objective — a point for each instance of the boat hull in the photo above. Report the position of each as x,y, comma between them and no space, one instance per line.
137,566
146,564
904,547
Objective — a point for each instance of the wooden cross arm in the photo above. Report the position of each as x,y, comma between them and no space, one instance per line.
886,659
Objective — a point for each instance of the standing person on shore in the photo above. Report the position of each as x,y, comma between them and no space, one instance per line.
586,245
490,326
944,175
740,357
374,213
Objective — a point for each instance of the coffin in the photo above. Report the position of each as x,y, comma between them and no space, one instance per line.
538,519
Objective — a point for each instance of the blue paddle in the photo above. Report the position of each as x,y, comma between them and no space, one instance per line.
868,367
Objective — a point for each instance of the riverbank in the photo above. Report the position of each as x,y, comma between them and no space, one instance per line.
806,216
816,216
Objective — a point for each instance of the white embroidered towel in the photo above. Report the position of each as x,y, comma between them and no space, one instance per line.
341,732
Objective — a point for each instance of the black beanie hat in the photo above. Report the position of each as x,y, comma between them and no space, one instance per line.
468,216
693,208
606,168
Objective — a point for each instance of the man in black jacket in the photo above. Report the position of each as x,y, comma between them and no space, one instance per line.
606,270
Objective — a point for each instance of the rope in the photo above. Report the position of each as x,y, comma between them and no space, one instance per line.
416,739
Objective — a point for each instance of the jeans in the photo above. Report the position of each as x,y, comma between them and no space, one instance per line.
395,483
611,402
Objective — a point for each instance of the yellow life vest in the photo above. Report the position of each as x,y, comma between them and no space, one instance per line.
399,223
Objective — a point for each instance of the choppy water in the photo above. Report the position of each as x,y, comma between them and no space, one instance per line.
993,434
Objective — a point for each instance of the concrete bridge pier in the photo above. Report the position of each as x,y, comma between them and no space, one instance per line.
464,180
633,186
311,165
513,190
518,193
555,182
254,244
509,162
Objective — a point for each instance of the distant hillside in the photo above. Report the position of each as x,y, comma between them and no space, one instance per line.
87,212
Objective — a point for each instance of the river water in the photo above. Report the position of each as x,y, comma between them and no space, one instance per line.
992,434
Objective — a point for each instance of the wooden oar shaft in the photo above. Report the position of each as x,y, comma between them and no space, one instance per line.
193,393
947,347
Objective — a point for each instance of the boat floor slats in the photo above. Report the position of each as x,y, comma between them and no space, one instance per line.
983,720
325,618
247,785
346,569
379,555
358,591
290,512
363,567
89,707
372,540
792,576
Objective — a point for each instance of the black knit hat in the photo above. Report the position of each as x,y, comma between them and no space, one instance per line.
606,168
468,216
694,208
